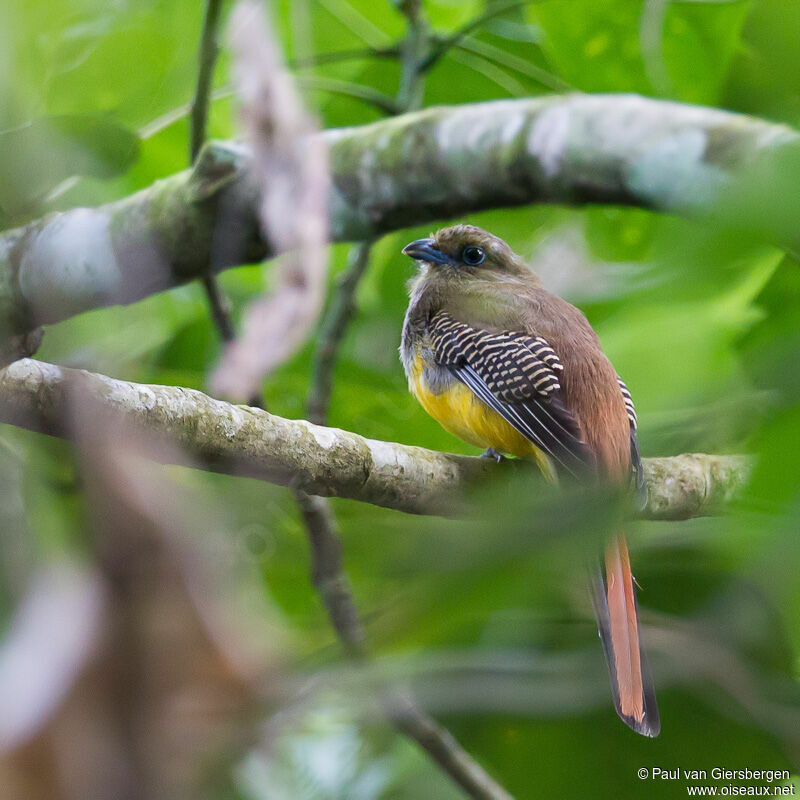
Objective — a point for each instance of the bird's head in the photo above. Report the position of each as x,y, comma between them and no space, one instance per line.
466,249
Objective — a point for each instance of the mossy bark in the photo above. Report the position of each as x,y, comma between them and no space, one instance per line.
320,460
435,164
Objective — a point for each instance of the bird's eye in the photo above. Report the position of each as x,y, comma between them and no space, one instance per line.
473,255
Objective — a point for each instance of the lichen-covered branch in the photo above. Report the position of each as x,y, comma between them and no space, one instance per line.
439,163
692,484
320,460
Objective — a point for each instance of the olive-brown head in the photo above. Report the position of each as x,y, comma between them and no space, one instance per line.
466,249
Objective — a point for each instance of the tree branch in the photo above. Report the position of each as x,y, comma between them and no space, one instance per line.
326,461
442,746
327,572
434,164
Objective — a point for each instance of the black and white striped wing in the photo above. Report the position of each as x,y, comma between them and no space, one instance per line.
636,458
517,376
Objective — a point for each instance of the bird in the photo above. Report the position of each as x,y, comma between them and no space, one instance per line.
505,365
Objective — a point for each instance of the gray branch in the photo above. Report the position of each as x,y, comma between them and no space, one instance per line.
439,163
326,461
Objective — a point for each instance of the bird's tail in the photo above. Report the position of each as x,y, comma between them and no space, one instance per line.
615,607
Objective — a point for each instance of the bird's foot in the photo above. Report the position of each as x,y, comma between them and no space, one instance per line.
492,453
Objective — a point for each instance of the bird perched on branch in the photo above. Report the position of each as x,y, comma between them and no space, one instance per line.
503,364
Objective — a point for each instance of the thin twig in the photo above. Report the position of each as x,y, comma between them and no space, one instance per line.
519,65
443,748
198,114
442,44
491,71
360,24
358,91
412,50
218,304
337,56
651,42
207,58
334,325
318,518
163,121
327,572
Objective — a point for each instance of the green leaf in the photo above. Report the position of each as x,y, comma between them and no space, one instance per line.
38,156
680,50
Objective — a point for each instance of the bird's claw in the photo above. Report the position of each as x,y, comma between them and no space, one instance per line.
490,452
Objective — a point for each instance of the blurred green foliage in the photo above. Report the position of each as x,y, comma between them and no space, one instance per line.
702,322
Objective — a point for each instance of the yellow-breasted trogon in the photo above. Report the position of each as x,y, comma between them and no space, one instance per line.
503,364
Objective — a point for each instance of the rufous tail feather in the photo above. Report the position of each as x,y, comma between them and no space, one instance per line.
618,624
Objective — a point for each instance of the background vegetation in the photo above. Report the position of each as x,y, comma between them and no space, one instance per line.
487,621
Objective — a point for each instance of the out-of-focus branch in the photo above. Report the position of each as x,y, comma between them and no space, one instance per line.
327,572
440,744
328,575
327,461
218,305
290,169
619,149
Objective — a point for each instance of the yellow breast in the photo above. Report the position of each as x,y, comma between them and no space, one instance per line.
461,413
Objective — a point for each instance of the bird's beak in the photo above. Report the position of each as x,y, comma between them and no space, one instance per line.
426,250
